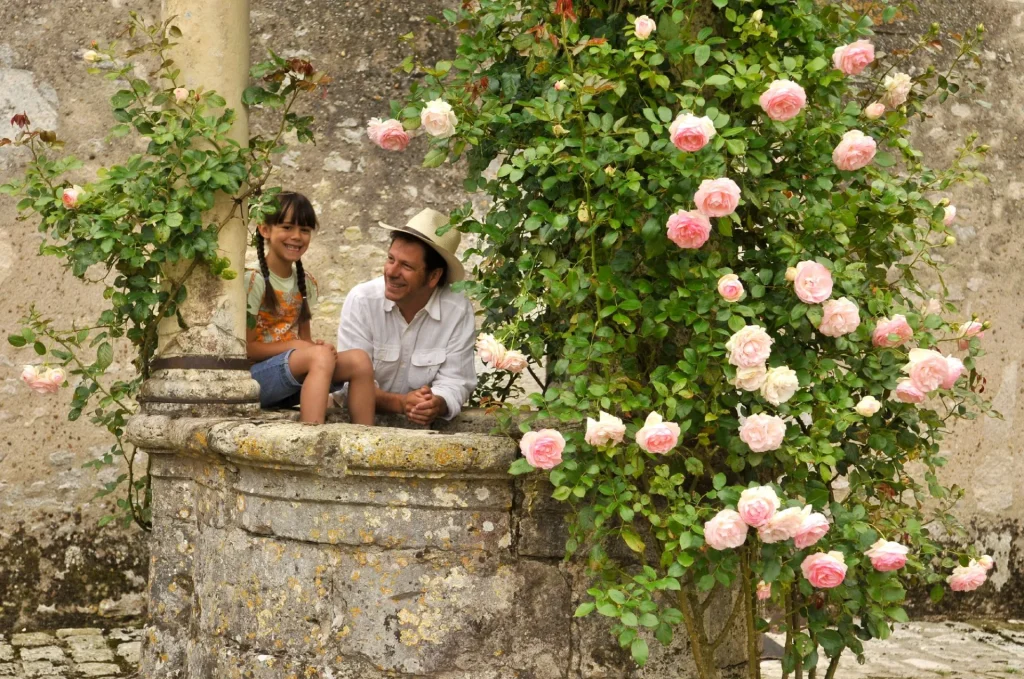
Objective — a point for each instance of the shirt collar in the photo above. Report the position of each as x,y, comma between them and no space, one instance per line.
433,306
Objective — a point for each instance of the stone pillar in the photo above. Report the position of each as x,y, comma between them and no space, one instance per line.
202,367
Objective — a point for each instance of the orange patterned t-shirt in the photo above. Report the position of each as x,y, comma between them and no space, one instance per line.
282,326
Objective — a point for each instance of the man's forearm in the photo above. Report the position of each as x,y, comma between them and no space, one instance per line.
388,402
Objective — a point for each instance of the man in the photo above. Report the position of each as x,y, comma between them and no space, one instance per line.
419,334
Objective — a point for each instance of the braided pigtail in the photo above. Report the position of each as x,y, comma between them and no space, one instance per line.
269,297
300,278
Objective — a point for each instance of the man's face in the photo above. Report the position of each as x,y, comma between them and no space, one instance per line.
405,273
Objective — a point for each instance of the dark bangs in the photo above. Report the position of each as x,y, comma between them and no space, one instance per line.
295,208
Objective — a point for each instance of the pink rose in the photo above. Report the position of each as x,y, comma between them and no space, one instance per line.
180,94
856,150
657,436
907,392
757,505
749,347
764,591
730,287
387,134
690,133
887,556
813,528
783,100
70,197
725,531
688,229
542,449
813,282
986,562
717,197
824,571
852,59
489,349
969,330
560,85
784,525
927,369
967,578
948,215
607,429
47,381
644,26
513,361
897,89
438,119
763,432
954,369
839,317
874,111
898,326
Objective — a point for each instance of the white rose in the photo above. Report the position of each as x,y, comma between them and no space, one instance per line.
438,119
779,385
749,379
784,525
897,89
868,406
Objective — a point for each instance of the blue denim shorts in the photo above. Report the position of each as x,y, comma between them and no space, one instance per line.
278,387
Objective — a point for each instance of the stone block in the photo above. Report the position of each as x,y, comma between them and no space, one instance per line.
90,650
97,669
79,632
42,668
51,653
32,639
131,651
8,669
6,653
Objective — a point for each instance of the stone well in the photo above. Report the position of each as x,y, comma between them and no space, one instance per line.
284,550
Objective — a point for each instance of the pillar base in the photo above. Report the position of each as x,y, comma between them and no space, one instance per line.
200,392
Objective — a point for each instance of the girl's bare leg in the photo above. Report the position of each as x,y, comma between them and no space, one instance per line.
315,363
354,366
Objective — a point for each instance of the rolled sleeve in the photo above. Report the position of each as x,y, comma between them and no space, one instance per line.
456,378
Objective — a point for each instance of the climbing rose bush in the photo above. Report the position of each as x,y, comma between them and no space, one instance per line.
707,227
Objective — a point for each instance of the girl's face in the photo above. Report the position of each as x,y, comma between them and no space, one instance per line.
287,241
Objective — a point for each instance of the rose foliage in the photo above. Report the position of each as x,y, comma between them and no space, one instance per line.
700,214
142,228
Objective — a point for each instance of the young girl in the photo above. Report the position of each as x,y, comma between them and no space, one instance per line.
290,366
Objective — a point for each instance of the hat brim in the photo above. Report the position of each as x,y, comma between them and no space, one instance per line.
456,272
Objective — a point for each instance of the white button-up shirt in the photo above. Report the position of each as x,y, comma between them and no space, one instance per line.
435,349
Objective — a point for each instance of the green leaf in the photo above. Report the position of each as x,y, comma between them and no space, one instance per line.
719,481
40,348
702,53
16,340
717,80
897,614
122,99
584,609
435,157
632,540
638,649
104,356
884,159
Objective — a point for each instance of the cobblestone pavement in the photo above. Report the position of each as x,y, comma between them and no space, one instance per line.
926,650
920,650
71,654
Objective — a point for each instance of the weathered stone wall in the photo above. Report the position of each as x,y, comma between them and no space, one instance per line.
57,567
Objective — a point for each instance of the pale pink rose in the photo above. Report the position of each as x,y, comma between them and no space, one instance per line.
783,525
856,150
954,369
813,528
657,436
986,562
932,306
560,85
783,100
725,531
730,287
967,578
92,56
874,111
644,26
606,429
763,432
542,449
791,273
438,119
717,197
387,134
688,229
927,369
907,392
757,505
513,361
489,349
813,282
949,214
70,197
43,382
690,133
887,556
897,89
898,326
749,346
750,379
764,591
839,317
868,406
852,59
824,571
969,330
779,385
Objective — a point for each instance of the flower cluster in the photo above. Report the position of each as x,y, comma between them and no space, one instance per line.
46,381
494,352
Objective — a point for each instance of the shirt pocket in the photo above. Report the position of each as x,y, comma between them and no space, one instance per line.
425,365
385,357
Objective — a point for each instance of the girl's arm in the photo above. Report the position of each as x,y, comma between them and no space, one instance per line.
261,351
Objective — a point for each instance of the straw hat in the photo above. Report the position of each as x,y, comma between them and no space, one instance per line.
423,226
